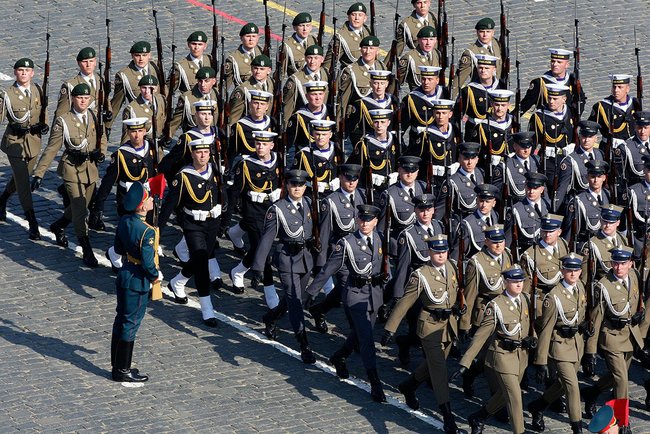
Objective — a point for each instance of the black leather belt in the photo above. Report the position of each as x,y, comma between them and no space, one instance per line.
359,281
77,157
618,323
509,344
566,331
295,247
439,314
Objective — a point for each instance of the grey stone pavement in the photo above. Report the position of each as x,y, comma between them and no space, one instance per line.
56,315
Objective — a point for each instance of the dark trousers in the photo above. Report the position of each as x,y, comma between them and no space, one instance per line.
20,182
293,285
201,238
362,322
131,306
254,236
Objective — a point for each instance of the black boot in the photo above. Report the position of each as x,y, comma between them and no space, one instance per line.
477,420
468,379
270,318
122,369
306,353
408,388
319,318
64,195
376,389
34,234
646,385
58,229
502,416
558,406
448,419
403,349
338,361
96,220
576,427
590,396
114,339
536,409
88,255
4,197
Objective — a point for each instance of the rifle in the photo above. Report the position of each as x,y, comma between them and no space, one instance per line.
644,258
441,5
426,144
277,75
385,259
154,131
442,43
372,18
224,105
321,25
573,239
46,76
609,156
315,204
219,168
517,108
159,51
449,199
577,86
504,44
215,41
333,96
591,271
392,55
107,66
100,106
452,65
397,117
488,150
639,77
267,31
461,261
533,290
542,149
169,103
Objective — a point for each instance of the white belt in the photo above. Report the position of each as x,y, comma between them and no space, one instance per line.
261,197
202,216
379,180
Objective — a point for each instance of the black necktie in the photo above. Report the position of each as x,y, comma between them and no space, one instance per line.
600,200
369,242
526,166
488,221
430,232
300,210
472,178
591,156
27,93
411,193
537,210
352,198
200,64
518,303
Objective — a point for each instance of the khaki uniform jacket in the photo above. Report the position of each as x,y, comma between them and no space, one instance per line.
294,59
502,319
561,307
185,72
69,132
184,112
355,81
139,109
409,63
435,292
21,111
547,267
126,85
613,300
65,101
294,91
467,62
600,245
240,98
349,50
407,31
238,66
483,281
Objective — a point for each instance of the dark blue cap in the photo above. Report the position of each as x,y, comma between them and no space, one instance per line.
469,149
514,273
297,176
423,201
611,213
524,138
486,191
495,233
134,197
621,254
602,420
438,243
642,118
597,167
350,171
535,179
572,262
409,162
588,128
551,222
367,212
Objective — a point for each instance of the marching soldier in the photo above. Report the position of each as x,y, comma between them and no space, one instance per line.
473,226
241,139
561,340
585,207
133,161
259,80
184,112
238,63
619,107
355,78
138,242
294,95
76,131
298,131
526,216
573,168
87,61
22,104
537,94
296,45
506,329
635,149
461,185
417,105
408,28
186,68
472,103
485,45
425,54
607,238
358,256
375,152
289,220
358,117
194,195
640,208
148,104
348,37
256,181
617,313
434,284
553,127
519,164
338,218
319,156
125,86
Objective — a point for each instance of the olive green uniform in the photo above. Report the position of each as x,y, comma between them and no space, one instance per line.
294,92
185,72
348,40
184,112
355,81
238,66
126,85
139,108
239,98
467,62
65,101
408,28
294,59
409,63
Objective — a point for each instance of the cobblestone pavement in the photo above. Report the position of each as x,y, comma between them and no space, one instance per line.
56,315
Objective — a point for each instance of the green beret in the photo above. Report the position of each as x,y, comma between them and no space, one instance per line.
86,53
357,7
249,28
140,47
148,80
485,24
301,18
261,60
197,37
427,32
314,50
134,197
80,90
369,41
205,72
24,63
